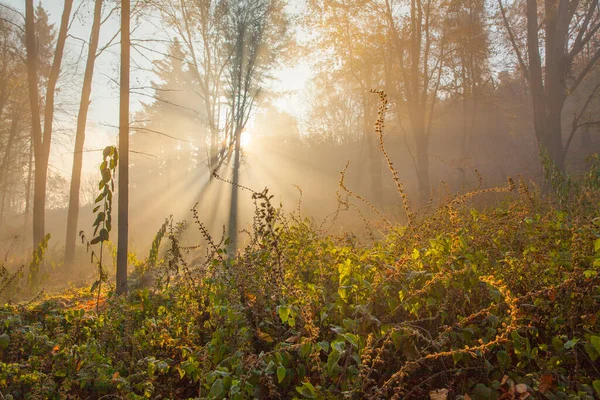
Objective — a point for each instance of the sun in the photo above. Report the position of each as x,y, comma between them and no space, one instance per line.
246,140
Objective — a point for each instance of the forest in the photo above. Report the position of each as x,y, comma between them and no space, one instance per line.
300,199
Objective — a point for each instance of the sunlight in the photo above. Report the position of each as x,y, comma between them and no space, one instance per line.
246,140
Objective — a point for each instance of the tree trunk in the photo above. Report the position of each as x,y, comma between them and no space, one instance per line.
73,213
233,208
28,188
586,138
423,167
122,246
41,141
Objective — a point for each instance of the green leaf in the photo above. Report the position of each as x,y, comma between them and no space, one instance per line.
504,359
597,245
307,390
456,357
481,392
332,360
571,343
590,273
284,313
558,344
595,341
352,339
108,150
217,390
522,345
95,285
596,385
4,341
99,219
591,351
280,373
103,234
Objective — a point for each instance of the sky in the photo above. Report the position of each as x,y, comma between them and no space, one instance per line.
102,126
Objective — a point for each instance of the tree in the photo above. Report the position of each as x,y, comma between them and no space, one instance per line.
42,139
256,32
468,62
199,26
73,213
556,62
351,43
418,41
122,246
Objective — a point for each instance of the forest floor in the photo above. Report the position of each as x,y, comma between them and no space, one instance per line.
496,302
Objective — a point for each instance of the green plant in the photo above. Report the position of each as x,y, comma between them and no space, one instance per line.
103,210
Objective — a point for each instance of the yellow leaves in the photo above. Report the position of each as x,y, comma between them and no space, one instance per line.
265,337
250,298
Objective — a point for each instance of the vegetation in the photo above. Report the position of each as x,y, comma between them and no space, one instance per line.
492,293
499,302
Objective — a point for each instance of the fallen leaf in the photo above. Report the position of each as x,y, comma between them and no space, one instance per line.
292,339
504,379
466,397
438,394
545,383
116,376
521,388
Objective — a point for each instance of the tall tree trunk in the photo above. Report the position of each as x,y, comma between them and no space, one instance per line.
417,117
73,213
122,246
423,167
233,205
41,140
27,212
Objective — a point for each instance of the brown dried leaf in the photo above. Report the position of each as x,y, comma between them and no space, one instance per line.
545,383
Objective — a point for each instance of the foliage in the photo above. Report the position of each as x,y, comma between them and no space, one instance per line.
494,303
103,223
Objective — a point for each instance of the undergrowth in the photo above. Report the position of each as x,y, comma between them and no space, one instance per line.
461,303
